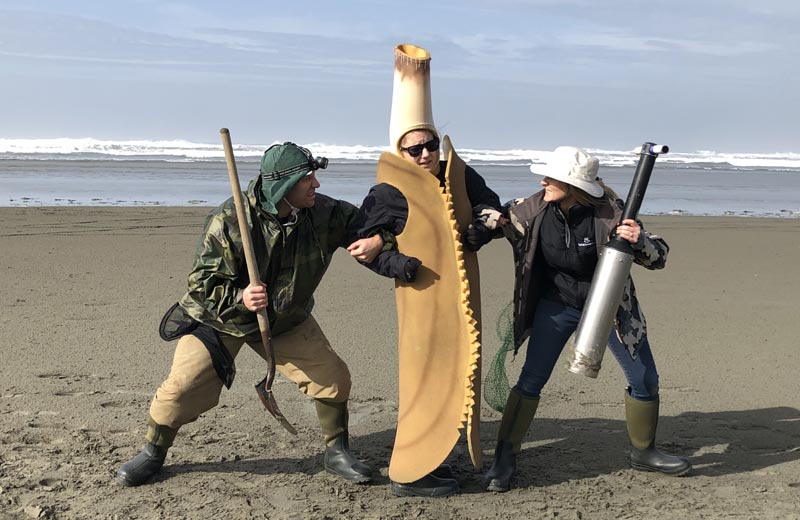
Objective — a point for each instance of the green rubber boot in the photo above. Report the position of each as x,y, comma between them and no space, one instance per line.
149,461
641,418
517,417
339,460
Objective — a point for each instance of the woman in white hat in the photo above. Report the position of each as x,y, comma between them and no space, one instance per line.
555,234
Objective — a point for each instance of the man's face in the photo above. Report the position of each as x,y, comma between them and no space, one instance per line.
427,159
303,194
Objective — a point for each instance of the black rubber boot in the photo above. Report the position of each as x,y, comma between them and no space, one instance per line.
503,467
641,418
143,466
149,461
339,460
428,486
517,417
443,471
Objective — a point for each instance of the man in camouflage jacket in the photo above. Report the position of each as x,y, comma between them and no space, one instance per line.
295,232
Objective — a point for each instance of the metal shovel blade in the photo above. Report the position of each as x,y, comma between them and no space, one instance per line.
268,400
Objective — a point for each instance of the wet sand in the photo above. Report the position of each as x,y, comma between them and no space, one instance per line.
84,289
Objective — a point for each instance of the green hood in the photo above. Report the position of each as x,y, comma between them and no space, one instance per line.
272,192
282,166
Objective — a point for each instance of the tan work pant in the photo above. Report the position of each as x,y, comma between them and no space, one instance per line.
302,355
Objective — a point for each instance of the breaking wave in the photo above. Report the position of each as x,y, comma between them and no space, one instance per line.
178,150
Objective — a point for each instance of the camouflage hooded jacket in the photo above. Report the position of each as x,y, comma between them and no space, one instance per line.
526,219
291,262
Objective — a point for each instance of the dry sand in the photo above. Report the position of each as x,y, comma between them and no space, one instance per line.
83,290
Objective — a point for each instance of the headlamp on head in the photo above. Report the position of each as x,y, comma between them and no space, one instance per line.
308,165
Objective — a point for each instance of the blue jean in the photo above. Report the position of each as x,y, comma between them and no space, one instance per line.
552,326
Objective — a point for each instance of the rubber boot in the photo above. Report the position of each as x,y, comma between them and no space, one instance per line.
517,417
339,460
440,482
149,461
641,418
434,484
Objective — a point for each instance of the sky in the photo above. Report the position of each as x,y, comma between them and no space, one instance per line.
720,75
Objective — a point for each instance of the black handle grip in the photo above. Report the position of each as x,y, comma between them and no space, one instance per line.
641,178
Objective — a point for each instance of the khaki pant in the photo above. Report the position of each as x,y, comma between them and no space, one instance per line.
302,355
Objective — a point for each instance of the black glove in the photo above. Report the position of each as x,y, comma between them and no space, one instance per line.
411,268
476,235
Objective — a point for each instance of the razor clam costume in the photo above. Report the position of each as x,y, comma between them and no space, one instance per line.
439,312
385,211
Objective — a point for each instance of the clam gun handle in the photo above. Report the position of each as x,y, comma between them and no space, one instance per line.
588,342
641,178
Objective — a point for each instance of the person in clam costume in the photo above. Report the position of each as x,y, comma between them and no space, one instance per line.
438,211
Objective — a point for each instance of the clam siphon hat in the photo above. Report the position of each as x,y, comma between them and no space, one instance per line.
282,166
573,166
411,94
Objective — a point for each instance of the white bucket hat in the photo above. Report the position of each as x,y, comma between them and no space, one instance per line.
573,166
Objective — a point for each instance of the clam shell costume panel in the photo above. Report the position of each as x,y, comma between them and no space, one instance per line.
439,313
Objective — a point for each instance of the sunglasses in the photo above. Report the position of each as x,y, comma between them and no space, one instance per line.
416,150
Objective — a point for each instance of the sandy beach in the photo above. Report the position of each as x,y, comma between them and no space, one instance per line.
84,289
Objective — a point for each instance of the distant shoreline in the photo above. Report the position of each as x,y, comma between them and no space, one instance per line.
673,189
68,205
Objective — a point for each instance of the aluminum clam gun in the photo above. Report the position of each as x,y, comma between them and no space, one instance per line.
588,342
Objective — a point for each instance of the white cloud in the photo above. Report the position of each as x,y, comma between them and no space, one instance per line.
497,47
646,43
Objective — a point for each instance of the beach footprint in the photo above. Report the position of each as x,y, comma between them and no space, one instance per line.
361,411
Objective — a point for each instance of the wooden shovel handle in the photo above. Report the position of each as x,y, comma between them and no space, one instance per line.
249,254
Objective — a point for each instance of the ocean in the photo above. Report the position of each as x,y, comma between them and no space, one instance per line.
92,172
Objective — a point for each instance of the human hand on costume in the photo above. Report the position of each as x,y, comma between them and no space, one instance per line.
476,235
254,297
507,227
493,219
629,230
366,249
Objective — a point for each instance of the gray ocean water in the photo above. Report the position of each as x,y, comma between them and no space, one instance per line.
683,190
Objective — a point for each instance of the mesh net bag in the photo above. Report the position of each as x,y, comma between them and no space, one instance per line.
496,387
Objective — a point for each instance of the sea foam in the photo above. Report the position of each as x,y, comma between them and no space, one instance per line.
187,151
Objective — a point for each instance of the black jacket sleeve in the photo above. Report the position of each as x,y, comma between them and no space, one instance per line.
385,209
394,264
480,195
